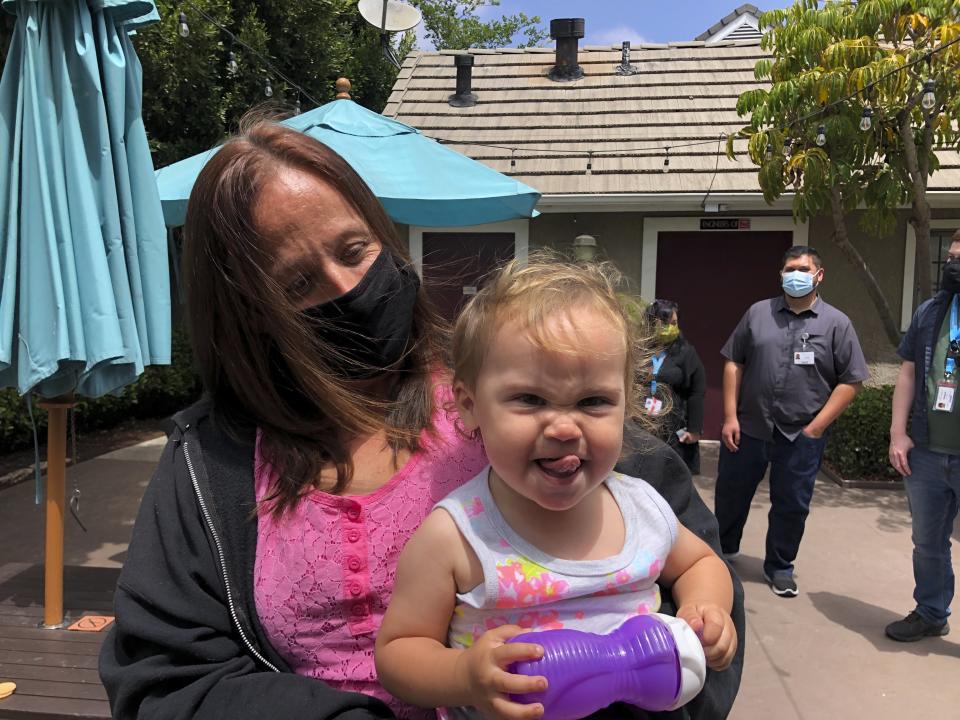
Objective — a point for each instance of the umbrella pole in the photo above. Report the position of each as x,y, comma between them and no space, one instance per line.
56,500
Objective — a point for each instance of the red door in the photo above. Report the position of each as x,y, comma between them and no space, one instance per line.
454,265
714,277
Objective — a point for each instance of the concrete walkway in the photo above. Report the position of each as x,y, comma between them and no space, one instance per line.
819,656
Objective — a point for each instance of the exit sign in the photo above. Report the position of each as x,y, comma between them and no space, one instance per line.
724,223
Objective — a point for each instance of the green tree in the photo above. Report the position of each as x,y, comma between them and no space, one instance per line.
456,25
840,66
192,98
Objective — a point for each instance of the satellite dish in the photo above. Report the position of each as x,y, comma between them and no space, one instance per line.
389,15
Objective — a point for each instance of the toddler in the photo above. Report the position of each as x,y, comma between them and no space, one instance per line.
547,536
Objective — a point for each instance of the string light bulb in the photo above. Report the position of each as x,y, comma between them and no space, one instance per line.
590,164
821,135
666,160
183,28
296,107
268,89
232,66
787,147
929,98
769,152
866,119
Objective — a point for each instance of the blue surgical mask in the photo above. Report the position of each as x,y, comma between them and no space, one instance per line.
798,283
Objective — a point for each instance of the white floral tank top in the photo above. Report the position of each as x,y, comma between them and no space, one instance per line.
524,586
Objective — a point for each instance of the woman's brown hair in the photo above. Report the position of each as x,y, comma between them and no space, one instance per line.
259,359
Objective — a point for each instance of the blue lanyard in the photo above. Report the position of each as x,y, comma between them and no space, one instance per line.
657,362
950,365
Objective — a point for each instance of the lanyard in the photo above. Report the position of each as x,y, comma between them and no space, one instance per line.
657,362
950,366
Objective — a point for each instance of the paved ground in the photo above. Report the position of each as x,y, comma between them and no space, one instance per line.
822,655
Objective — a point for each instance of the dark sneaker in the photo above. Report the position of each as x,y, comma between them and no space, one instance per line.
731,556
915,627
782,584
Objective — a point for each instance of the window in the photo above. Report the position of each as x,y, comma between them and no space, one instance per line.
939,244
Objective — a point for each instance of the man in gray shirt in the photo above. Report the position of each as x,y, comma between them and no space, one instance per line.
793,364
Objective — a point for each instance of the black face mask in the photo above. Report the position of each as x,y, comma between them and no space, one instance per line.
370,325
950,280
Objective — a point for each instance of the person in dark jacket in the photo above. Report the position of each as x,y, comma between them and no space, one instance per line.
188,641
676,369
928,455
266,544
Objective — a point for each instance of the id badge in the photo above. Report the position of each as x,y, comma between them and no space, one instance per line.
653,406
946,393
804,357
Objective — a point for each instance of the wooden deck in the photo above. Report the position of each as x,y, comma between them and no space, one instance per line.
55,670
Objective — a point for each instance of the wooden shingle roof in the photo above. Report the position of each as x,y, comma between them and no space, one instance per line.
682,96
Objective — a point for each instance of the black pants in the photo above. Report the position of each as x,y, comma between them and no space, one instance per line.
793,471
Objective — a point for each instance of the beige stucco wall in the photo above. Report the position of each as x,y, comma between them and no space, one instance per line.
620,238
843,287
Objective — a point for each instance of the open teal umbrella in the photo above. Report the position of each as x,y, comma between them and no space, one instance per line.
418,180
85,300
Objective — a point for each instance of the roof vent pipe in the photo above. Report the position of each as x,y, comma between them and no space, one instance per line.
625,68
566,31
463,97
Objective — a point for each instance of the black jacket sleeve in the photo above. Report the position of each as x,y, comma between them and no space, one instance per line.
651,460
174,651
697,390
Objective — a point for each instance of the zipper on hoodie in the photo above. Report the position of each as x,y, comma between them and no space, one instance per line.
223,565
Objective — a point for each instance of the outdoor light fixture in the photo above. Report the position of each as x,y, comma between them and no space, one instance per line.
232,63
866,121
666,160
183,29
929,99
590,164
585,247
268,89
821,135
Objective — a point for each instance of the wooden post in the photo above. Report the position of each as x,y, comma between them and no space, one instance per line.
56,500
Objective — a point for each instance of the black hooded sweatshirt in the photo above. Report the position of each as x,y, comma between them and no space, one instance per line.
187,642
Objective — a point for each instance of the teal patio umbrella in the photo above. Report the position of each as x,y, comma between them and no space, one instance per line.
418,180
85,299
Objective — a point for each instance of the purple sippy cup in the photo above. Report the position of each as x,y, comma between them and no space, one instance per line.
653,661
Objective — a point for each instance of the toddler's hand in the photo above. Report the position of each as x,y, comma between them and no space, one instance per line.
714,626
484,670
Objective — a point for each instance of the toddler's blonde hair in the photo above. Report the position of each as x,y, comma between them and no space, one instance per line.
532,292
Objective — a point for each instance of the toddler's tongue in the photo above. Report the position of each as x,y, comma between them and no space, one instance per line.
566,465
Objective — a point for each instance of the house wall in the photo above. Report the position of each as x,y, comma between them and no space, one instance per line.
619,238
843,287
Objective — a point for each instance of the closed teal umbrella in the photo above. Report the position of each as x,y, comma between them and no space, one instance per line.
85,302
85,299
418,180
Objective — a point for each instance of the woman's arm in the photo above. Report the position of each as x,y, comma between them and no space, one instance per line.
173,651
698,391
413,662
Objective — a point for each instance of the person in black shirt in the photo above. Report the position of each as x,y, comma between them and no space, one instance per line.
676,369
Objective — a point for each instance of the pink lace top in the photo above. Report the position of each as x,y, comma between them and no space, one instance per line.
324,574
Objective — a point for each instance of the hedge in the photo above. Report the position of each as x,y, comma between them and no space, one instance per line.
859,439
160,391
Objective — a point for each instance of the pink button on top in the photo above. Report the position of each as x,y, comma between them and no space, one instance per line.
353,536
354,564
